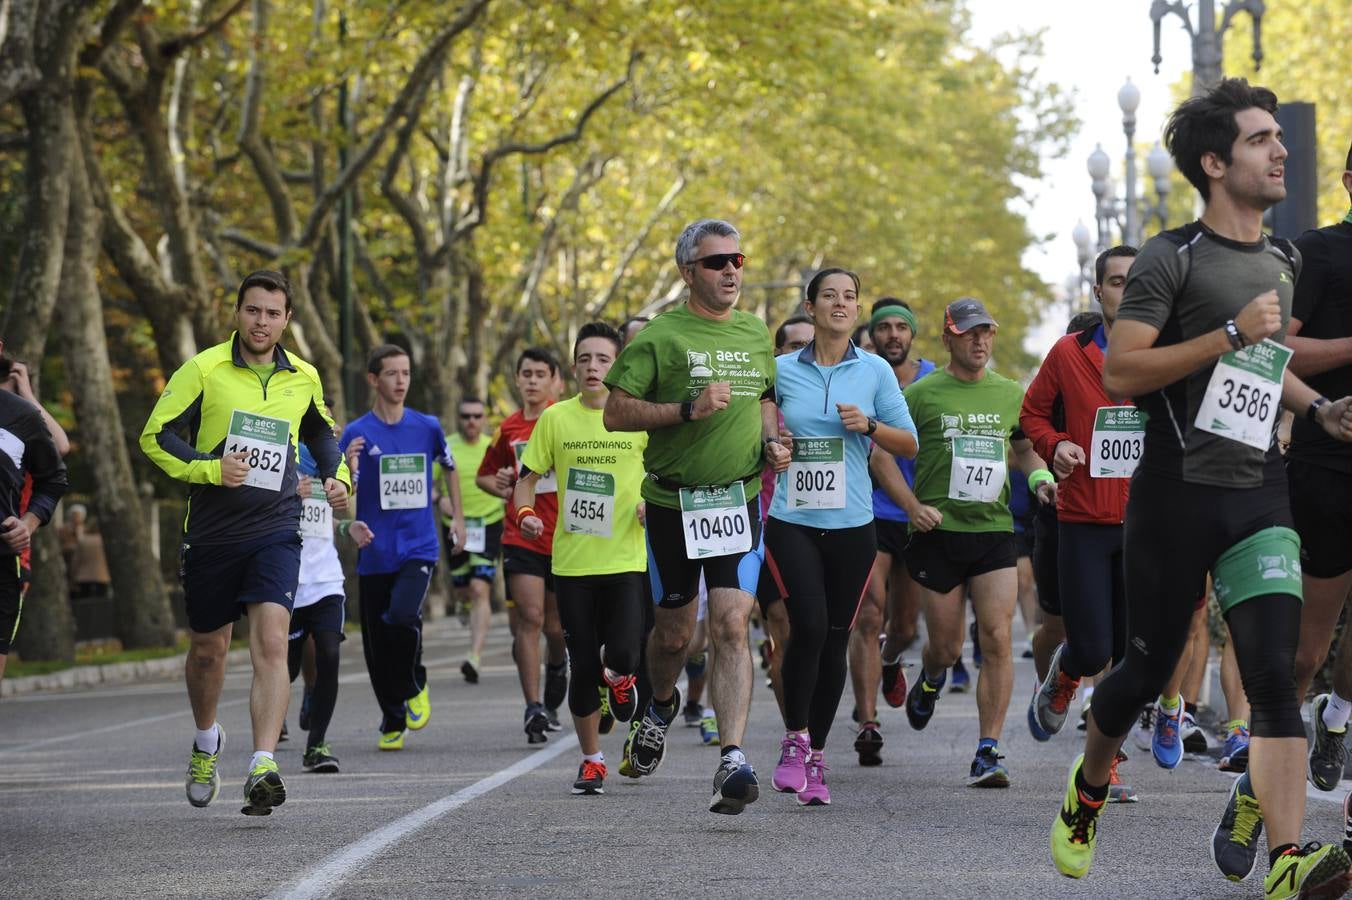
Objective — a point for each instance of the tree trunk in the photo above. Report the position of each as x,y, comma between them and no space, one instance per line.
47,625
144,616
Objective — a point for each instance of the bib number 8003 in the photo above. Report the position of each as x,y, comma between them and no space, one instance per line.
1120,448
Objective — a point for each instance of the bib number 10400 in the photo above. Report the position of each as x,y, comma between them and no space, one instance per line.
266,441
715,521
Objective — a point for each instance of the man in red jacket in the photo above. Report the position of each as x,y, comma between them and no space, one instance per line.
1094,446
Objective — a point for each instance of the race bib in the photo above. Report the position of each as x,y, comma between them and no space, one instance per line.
817,474
1119,439
316,516
715,521
476,536
978,471
266,440
1243,397
403,481
549,481
591,503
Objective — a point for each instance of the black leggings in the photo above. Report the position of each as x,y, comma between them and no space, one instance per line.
822,575
599,611
1093,601
324,696
1175,532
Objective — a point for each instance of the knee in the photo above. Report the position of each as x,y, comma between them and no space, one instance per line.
995,638
669,640
728,628
621,659
1308,660
529,619
944,651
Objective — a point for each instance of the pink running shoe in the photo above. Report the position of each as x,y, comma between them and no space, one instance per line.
815,794
791,772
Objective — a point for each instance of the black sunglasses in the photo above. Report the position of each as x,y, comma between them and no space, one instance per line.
717,261
471,415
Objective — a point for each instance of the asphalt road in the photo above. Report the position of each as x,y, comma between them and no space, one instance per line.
92,805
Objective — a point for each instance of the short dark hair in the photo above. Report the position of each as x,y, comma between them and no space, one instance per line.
375,360
1083,321
1101,264
269,281
540,355
782,331
1206,124
814,284
632,320
884,302
859,332
597,330
471,399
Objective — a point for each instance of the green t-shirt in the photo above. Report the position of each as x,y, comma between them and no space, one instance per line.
478,504
264,371
671,361
945,407
597,531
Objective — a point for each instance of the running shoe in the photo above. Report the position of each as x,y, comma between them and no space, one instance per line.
552,722
894,683
1084,710
1143,732
623,695
1194,736
1235,755
418,710
815,793
1075,830
285,735
692,713
1311,871
1234,843
470,672
1165,744
920,702
708,729
626,763
648,742
961,680
204,778
556,685
320,760
391,740
735,786
869,744
537,723
1054,694
1034,727
263,789
791,770
1328,756
591,778
607,720
987,770
976,644
1118,790
304,719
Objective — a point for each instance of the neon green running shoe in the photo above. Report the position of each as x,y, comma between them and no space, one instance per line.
626,763
204,781
391,740
607,720
1311,871
1075,830
418,710
263,789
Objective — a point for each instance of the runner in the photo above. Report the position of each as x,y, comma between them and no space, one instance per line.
892,603
1194,345
1094,445
1320,472
32,481
245,405
526,563
474,566
836,402
598,558
391,450
698,380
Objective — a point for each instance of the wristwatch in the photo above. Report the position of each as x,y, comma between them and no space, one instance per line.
872,425
687,410
1312,414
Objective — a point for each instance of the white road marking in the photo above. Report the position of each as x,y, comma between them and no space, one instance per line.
323,880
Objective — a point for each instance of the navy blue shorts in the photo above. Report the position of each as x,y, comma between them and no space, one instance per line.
220,580
329,614
11,600
675,577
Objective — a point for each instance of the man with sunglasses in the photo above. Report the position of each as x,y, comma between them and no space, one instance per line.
474,565
698,379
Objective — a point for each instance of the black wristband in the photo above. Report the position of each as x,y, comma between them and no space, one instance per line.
688,411
1312,414
1235,335
872,425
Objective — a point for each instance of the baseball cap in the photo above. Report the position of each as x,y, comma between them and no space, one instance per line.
966,313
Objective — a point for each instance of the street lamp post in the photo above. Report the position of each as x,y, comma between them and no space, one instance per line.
1208,41
1083,253
1132,211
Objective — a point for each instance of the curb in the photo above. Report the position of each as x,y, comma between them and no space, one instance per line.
112,673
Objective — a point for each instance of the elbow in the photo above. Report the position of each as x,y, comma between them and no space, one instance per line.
1115,386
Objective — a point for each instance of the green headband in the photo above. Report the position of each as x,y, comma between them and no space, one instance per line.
888,312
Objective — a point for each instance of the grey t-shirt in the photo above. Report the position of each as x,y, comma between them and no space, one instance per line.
1186,282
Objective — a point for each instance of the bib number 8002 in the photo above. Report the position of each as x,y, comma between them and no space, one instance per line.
808,480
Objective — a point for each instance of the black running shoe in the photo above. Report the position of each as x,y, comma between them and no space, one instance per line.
648,743
556,685
304,719
869,745
920,702
471,674
537,723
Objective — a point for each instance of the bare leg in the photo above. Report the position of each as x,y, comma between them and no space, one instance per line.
529,593
1199,650
1324,598
268,623
1277,770
1236,701
553,631
1049,634
866,667
667,645
730,668
480,615
695,685
777,624
588,733
1028,607
204,672
993,600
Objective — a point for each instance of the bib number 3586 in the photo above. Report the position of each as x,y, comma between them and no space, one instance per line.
715,521
1243,397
